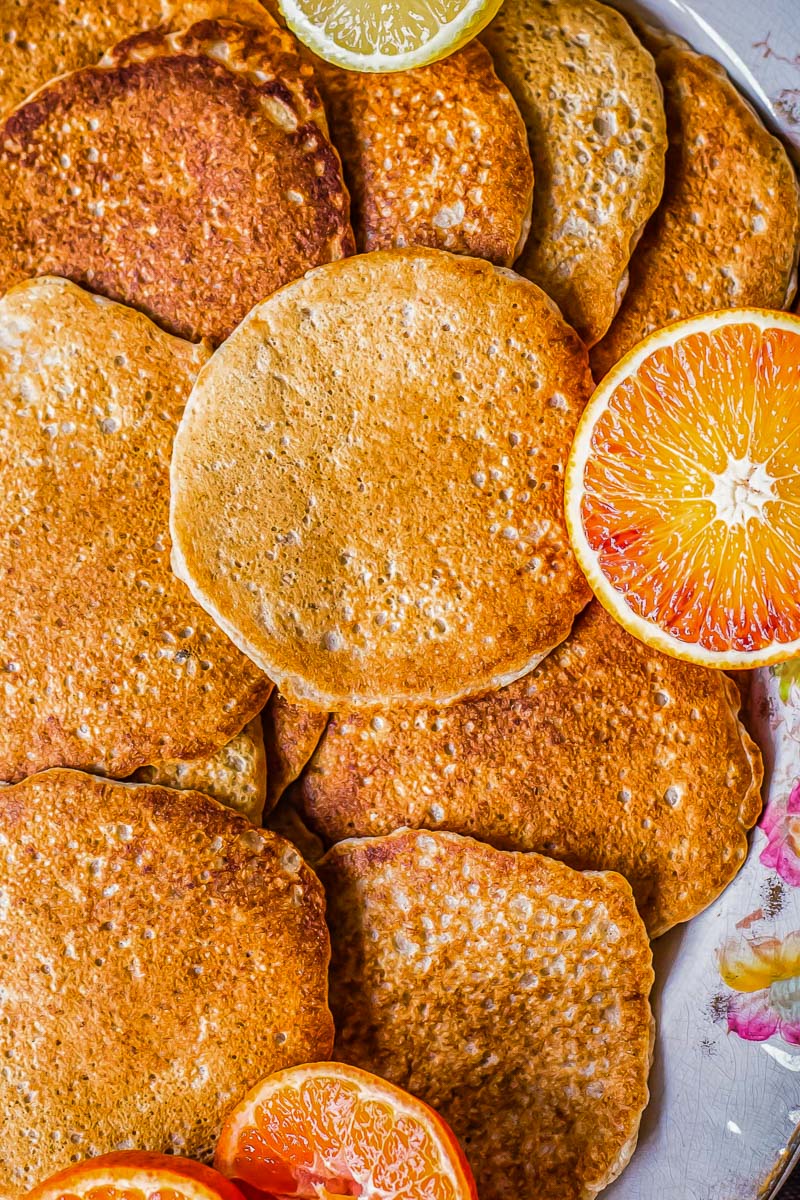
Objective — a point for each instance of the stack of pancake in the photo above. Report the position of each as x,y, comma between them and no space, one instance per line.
286,577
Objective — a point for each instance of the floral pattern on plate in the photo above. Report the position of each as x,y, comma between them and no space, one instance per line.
781,824
760,963
765,975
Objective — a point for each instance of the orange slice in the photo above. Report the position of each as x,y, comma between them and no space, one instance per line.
683,489
136,1175
327,1129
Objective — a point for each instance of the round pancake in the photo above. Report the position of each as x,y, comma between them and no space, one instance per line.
369,472
105,660
591,101
607,756
45,38
433,157
291,733
164,957
507,991
235,775
286,821
726,234
188,175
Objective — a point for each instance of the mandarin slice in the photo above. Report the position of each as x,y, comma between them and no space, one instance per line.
683,489
327,1129
136,1175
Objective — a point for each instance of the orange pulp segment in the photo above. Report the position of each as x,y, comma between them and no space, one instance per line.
120,1191
683,489
327,1129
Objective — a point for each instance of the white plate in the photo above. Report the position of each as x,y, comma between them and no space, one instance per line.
724,1117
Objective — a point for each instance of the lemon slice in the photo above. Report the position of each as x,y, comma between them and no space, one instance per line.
386,35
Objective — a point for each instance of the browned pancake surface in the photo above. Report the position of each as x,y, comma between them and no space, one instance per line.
235,775
507,991
608,756
45,38
591,101
291,734
162,957
189,175
727,230
106,662
287,822
433,157
367,483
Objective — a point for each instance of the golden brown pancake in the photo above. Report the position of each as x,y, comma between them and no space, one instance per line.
188,175
591,101
163,957
106,662
507,991
367,482
235,775
727,231
433,157
287,822
291,733
45,38
608,756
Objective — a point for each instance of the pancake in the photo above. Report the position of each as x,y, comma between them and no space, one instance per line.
608,756
45,38
291,733
507,991
403,419
235,775
591,101
164,957
727,231
105,660
188,175
433,157
286,821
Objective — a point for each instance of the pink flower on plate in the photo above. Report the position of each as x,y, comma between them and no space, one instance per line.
764,974
781,824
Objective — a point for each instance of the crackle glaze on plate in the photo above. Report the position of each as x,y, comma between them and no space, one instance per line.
724,1119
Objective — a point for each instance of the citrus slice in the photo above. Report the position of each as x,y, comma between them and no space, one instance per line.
136,1175
327,1129
386,35
683,489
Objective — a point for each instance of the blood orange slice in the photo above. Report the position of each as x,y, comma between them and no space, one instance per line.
327,1129
683,489
136,1175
